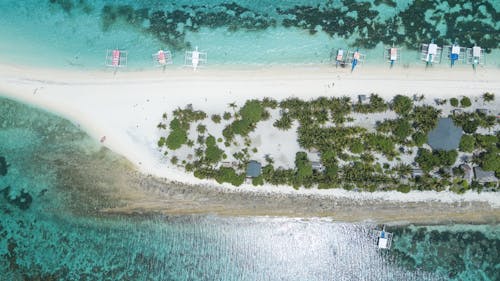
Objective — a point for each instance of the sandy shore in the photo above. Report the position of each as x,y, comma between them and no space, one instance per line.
126,107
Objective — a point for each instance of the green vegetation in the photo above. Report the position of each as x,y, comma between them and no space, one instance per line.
304,168
402,105
465,102
349,156
177,136
467,143
216,118
471,121
454,102
419,138
213,154
425,118
284,123
488,97
251,113
428,160
376,104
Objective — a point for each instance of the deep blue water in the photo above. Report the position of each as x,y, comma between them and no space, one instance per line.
49,229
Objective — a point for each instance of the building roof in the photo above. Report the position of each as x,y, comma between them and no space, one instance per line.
316,165
446,136
484,176
417,172
254,169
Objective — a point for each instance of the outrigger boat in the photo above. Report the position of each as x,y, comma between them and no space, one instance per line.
455,54
116,58
475,56
162,58
354,58
195,58
340,58
392,54
383,239
430,53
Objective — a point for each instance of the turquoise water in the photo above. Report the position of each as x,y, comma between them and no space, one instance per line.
76,33
57,235
53,178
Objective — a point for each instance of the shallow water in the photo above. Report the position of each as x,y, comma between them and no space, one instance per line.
76,33
51,240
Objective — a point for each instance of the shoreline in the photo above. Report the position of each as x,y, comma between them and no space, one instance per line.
126,108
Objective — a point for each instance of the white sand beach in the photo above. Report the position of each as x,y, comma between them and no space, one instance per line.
125,108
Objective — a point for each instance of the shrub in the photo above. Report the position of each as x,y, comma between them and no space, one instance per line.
161,142
428,160
467,143
304,168
402,105
465,102
226,174
176,139
216,118
404,188
402,129
356,147
226,115
213,153
284,123
454,102
201,128
252,111
487,97
174,160
258,180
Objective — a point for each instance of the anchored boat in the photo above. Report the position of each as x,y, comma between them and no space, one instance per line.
383,239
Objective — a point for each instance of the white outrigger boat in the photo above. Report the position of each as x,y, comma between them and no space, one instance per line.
455,54
392,55
354,58
430,53
195,58
340,57
383,239
162,58
475,56
116,58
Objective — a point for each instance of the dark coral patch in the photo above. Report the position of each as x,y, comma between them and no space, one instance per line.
23,201
3,166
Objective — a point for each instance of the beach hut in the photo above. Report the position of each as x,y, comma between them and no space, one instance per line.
392,55
455,54
475,56
415,173
483,176
430,53
162,58
483,111
468,175
116,58
254,169
446,136
363,99
195,58
355,58
317,166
